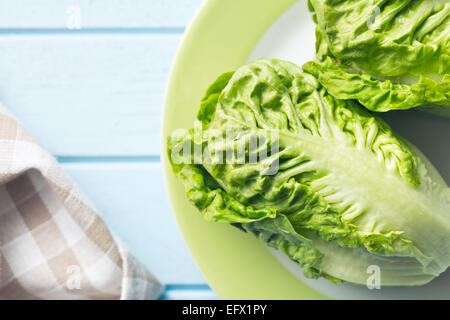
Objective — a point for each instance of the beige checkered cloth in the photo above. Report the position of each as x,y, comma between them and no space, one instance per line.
53,244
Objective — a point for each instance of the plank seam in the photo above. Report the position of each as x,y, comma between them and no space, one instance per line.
92,31
108,159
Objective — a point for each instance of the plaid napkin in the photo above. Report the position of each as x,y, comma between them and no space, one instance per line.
53,244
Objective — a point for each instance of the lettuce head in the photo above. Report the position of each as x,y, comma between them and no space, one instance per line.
319,178
385,54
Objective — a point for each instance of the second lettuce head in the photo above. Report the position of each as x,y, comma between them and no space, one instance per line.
320,178
388,55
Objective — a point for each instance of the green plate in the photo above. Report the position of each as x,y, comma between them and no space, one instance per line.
221,38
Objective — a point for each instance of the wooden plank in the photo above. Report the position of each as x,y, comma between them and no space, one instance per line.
98,95
51,14
133,202
189,293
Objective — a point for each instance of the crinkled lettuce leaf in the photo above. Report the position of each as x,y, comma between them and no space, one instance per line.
390,54
379,96
329,184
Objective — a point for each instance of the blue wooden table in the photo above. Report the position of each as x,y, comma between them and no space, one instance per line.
87,78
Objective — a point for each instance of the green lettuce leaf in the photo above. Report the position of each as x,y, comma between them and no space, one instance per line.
379,96
398,50
328,183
